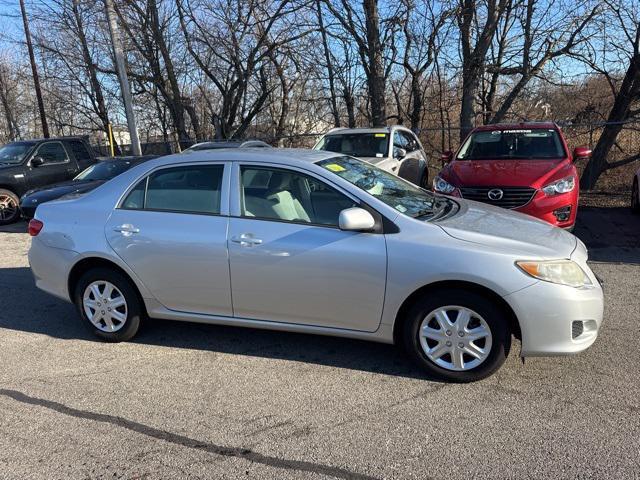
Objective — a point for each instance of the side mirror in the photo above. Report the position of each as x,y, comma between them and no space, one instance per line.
446,156
399,153
356,219
581,153
37,161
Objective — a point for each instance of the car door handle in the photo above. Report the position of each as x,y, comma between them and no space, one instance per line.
126,229
246,240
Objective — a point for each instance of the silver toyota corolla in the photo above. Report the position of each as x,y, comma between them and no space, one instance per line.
317,242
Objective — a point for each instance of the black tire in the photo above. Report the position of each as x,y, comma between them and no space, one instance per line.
9,207
492,314
134,310
635,201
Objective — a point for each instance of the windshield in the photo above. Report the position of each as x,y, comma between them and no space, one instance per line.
103,170
15,152
356,144
397,193
512,145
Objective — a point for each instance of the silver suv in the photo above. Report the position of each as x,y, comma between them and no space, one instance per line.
395,149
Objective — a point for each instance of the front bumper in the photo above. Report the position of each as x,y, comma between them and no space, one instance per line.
548,208
556,319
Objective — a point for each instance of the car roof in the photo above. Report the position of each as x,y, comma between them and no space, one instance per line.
227,144
516,126
284,156
128,158
343,131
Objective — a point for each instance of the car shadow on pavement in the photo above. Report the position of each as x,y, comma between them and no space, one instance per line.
25,308
612,235
18,227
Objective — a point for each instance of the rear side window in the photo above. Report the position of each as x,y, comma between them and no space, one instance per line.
192,189
79,150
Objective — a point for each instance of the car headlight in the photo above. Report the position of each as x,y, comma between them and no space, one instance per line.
563,185
442,186
563,272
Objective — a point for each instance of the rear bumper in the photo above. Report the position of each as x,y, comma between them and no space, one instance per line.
556,319
50,267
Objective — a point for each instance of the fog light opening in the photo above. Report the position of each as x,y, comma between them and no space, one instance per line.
577,328
562,214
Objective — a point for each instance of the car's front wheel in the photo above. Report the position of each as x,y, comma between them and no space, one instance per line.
108,304
9,211
635,197
457,335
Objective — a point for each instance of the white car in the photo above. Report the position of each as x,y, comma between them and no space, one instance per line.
395,149
316,242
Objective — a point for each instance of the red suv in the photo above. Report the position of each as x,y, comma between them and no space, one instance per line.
525,167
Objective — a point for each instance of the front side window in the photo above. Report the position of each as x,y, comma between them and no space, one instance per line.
52,152
356,144
191,189
399,194
516,144
286,195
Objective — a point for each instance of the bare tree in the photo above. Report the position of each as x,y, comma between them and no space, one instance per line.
34,71
626,96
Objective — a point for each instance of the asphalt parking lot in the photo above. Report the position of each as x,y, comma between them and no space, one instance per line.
196,401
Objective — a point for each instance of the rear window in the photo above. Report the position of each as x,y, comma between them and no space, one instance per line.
356,144
516,144
79,150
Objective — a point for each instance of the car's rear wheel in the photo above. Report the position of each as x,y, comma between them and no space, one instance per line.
635,193
108,304
457,335
9,211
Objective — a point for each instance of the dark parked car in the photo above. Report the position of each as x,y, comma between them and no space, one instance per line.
228,144
35,163
90,178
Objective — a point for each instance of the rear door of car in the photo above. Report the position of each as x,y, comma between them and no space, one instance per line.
171,229
289,260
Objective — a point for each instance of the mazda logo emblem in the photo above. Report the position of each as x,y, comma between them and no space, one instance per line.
495,194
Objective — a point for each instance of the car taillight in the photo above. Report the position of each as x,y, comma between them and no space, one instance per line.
35,226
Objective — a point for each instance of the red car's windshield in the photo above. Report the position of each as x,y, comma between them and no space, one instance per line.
516,144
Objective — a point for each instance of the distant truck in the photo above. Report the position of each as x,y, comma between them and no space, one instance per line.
29,164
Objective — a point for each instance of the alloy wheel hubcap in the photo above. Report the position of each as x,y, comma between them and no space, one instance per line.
105,306
455,338
8,207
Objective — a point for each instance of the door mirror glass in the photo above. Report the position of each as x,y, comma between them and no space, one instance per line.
356,220
37,161
399,153
446,156
581,153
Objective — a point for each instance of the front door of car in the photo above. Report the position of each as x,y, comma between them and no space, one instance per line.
289,260
56,165
171,229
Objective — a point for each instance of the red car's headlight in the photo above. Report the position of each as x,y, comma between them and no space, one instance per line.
563,185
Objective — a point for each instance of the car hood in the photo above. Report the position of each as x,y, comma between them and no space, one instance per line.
51,192
508,230
502,172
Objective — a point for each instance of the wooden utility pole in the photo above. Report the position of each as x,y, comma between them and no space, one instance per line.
118,54
34,71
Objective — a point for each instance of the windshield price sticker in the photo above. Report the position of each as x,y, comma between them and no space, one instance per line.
380,135
335,167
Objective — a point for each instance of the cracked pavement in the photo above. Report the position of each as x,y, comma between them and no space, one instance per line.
196,401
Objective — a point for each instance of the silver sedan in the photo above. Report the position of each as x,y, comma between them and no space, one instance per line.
316,242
